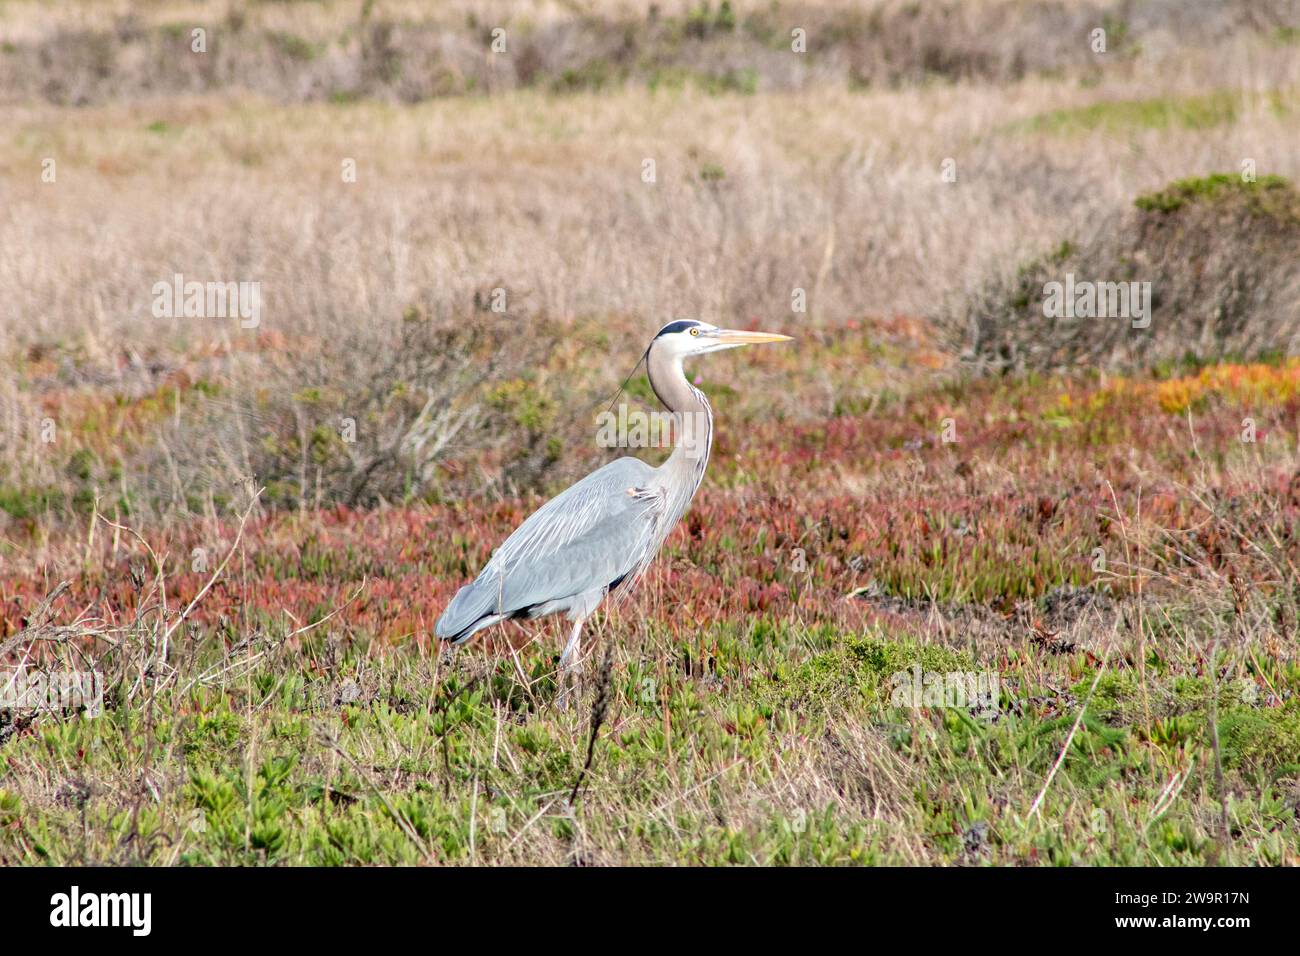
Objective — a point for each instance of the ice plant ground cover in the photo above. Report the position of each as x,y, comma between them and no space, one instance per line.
1098,553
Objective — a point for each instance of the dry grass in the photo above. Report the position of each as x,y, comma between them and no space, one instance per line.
839,194
833,193
400,52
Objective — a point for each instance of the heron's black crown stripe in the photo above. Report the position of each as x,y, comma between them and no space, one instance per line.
671,327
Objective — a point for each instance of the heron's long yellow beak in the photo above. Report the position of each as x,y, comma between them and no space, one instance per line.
736,337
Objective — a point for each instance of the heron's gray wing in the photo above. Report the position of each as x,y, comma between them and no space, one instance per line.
584,539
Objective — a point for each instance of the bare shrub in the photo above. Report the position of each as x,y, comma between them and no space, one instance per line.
312,56
366,416
1218,252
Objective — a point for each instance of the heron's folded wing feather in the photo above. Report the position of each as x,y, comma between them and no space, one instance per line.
583,539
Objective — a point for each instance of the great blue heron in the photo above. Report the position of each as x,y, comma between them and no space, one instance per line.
600,534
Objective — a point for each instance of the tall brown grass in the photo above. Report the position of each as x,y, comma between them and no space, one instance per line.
831,193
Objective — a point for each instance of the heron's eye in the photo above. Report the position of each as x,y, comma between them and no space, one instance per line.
695,331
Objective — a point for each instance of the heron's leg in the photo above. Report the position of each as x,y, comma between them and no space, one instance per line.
570,660
574,647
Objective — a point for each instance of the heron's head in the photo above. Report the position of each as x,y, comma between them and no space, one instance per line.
689,337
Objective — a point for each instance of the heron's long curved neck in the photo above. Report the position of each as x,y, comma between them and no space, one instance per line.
692,426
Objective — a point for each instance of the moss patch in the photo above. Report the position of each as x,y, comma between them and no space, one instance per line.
859,669
1267,195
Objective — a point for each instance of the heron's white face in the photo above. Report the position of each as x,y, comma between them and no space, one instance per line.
689,337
